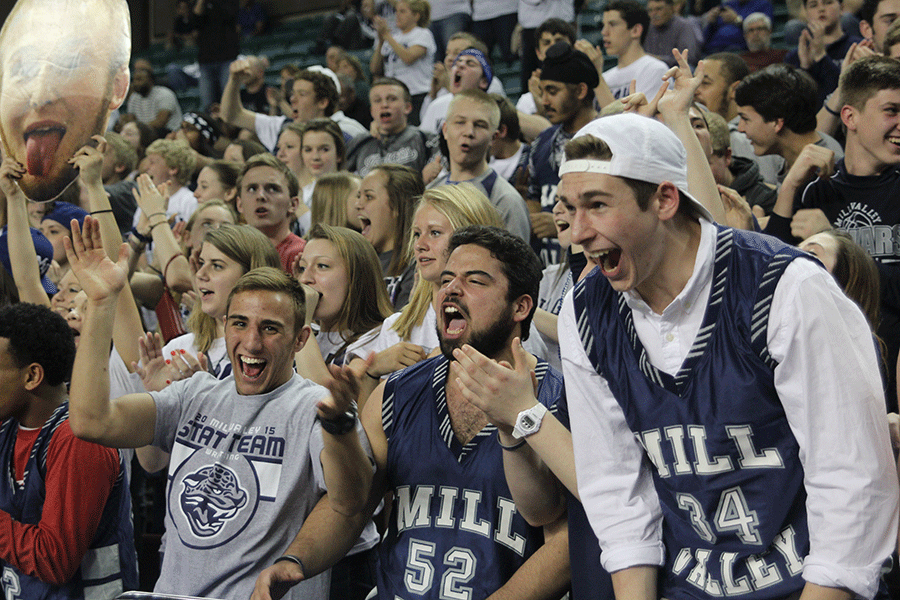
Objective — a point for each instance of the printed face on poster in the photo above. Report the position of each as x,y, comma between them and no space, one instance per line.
63,70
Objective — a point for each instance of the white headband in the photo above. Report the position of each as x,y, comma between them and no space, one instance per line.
585,165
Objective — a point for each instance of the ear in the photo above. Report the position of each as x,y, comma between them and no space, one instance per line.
295,202
407,108
865,30
34,376
779,125
483,83
119,88
238,204
582,91
848,117
322,104
444,128
502,130
522,307
497,135
666,200
302,338
637,31
120,168
731,89
728,157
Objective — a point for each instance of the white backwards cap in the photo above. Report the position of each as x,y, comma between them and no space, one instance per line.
643,149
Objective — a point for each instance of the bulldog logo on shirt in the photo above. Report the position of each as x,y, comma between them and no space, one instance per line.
210,498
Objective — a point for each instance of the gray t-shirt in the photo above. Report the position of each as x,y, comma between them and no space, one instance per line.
244,474
504,197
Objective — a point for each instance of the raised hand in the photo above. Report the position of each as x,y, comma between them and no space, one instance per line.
399,356
501,390
11,171
344,388
150,199
100,278
678,100
89,161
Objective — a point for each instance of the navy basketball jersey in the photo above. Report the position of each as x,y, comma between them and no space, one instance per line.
725,464
547,153
454,530
110,565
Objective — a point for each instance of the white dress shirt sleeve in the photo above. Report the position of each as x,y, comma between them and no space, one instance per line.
830,386
614,480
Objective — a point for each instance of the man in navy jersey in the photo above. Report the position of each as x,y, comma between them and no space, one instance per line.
727,410
454,529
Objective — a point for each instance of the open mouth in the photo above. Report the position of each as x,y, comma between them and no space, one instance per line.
454,321
205,294
366,225
561,225
252,368
261,212
385,116
895,140
608,260
42,140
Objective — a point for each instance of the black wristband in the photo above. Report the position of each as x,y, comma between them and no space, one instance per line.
341,424
294,559
141,238
515,446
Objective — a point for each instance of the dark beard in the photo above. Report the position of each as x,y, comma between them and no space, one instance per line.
490,342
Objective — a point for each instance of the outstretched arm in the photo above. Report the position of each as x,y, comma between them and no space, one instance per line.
126,422
233,112
128,326
22,255
674,108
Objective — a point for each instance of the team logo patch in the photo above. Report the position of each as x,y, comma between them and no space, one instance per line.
212,503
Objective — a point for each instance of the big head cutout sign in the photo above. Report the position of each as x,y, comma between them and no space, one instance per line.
63,70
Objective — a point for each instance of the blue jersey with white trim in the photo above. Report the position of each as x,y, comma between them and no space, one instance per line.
110,565
454,530
726,465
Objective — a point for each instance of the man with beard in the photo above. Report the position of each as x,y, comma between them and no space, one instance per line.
64,69
454,525
568,79
155,105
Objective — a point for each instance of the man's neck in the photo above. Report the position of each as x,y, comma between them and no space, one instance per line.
393,132
731,109
585,115
506,148
276,233
675,267
41,405
858,161
462,173
631,54
792,144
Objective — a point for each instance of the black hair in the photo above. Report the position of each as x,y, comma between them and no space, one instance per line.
555,26
520,265
781,91
733,66
36,334
633,13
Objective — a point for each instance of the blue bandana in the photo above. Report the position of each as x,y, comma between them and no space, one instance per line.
479,56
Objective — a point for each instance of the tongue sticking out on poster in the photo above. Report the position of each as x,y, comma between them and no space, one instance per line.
63,70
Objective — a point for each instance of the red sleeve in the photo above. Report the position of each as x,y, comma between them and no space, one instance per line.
80,476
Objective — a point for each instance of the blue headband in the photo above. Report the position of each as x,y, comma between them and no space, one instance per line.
479,56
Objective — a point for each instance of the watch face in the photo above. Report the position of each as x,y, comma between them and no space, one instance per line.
527,422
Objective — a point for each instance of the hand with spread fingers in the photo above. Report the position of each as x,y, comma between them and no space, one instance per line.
501,390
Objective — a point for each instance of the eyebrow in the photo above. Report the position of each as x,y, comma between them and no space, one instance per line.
470,273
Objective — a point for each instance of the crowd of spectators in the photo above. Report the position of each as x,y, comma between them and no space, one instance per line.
313,253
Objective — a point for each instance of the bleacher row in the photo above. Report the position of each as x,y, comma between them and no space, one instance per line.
292,41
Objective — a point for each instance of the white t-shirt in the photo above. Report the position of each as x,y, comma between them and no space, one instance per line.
416,76
534,12
441,9
647,71
526,104
482,10
505,167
